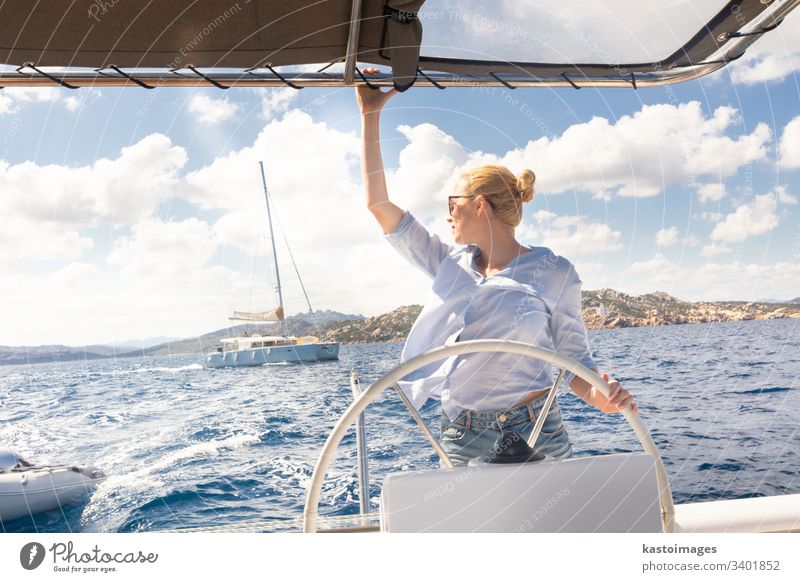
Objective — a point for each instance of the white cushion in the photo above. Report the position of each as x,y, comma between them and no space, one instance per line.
609,493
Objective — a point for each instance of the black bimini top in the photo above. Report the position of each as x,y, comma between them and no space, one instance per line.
225,43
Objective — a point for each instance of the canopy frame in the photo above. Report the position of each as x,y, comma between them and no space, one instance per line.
724,39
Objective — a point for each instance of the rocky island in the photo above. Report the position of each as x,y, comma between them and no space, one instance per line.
602,309
607,309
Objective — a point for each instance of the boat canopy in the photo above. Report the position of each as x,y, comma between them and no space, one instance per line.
265,338
258,316
225,43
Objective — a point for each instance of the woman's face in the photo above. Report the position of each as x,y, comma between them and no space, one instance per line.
463,217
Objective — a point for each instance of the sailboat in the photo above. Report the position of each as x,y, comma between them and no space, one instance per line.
256,349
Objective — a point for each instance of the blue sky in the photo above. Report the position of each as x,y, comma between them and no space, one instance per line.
132,213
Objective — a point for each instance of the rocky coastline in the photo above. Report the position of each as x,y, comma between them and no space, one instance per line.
602,309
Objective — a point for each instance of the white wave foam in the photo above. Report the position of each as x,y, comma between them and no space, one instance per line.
106,508
210,448
178,369
166,369
144,476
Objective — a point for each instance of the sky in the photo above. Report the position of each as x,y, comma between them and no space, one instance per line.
131,214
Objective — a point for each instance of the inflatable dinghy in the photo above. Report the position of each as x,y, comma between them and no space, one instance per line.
26,489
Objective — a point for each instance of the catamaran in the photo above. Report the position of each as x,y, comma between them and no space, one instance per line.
274,44
256,349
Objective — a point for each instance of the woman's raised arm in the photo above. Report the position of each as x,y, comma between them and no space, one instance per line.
370,102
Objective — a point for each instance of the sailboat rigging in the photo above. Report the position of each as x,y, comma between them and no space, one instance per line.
259,349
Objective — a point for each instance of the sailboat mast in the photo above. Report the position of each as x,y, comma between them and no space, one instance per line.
274,251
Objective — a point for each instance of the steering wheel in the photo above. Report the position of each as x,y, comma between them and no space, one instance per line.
372,393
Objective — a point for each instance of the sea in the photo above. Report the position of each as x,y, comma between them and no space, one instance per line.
186,447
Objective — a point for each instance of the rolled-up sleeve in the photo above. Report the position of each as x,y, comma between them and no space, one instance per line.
566,321
419,247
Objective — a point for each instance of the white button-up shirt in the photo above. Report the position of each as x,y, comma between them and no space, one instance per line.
536,299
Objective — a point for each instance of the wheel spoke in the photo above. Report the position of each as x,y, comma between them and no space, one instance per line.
437,446
551,396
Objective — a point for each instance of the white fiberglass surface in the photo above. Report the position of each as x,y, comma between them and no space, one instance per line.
568,31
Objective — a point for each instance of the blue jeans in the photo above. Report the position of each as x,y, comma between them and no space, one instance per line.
473,434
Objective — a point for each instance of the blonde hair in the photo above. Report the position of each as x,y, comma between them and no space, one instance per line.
504,192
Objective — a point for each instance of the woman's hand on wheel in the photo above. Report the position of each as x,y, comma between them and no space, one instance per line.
372,100
619,398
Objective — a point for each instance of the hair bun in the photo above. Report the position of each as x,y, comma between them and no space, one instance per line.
525,185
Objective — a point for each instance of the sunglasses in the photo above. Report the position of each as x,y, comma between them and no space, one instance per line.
450,204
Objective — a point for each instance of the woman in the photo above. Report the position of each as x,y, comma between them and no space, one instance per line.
492,287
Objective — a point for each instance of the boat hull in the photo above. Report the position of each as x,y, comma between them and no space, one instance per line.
274,355
774,513
38,489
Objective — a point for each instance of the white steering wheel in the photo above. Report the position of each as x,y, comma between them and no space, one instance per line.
467,347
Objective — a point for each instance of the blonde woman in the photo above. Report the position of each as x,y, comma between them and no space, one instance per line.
486,286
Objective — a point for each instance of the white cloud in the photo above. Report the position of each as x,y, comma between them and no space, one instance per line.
160,250
118,191
748,220
212,111
35,94
637,156
6,104
571,235
714,249
52,206
73,273
13,98
784,197
175,270
72,103
657,263
712,192
86,96
312,169
85,303
743,281
790,145
427,168
773,57
666,237
275,100
314,182
318,199
24,240
712,216
710,281
243,229
658,270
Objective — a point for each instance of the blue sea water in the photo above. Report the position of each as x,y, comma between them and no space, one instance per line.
187,447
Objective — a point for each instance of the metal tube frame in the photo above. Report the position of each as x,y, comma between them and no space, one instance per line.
361,448
537,429
620,75
437,446
240,79
352,43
